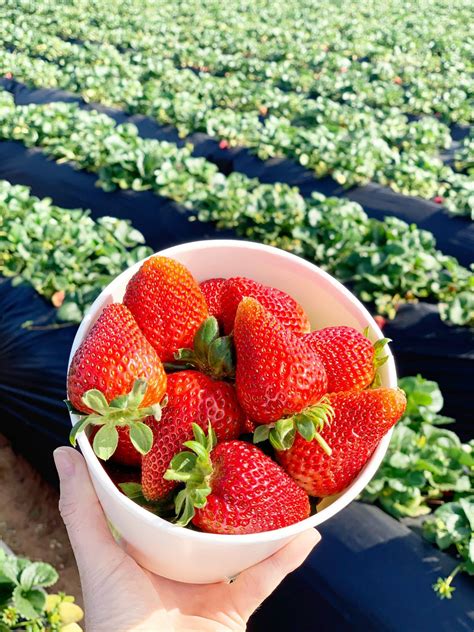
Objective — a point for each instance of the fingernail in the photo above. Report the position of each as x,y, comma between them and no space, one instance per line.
63,461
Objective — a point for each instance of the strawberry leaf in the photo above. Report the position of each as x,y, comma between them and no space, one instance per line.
282,435
261,433
38,574
105,442
29,603
306,429
121,402
132,490
95,400
141,436
205,335
184,355
221,356
184,508
135,397
78,427
181,467
200,435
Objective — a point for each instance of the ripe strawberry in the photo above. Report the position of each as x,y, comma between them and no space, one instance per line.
117,377
234,488
279,303
278,374
192,397
249,426
350,359
360,421
212,290
167,304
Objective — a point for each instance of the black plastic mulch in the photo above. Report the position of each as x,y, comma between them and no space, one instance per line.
369,573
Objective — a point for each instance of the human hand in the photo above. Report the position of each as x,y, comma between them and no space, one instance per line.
120,595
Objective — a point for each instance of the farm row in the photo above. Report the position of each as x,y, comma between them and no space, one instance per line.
380,56
393,262
349,140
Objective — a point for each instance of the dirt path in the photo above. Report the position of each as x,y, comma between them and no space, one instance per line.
30,523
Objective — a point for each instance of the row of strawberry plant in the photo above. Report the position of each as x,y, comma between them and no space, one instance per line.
427,470
331,138
65,255
387,262
464,157
439,81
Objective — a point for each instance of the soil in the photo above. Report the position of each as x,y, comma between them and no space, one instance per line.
30,523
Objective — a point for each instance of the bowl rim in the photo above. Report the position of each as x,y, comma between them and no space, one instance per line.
343,498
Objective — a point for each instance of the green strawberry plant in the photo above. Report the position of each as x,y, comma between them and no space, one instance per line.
392,263
452,527
464,157
92,252
428,471
337,123
24,603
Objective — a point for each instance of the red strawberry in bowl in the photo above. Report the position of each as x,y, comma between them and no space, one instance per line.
350,359
278,376
360,421
212,290
167,304
233,488
115,381
278,303
192,398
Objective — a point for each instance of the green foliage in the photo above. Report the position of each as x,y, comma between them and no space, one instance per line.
59,250
24,603
424,467
464,157
452,526
22,586
341,108
387,262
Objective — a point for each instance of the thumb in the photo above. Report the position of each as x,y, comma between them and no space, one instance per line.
93,545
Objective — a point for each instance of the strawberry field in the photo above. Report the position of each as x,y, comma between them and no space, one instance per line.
338,132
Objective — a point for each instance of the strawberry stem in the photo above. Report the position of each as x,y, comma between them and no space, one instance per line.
323,443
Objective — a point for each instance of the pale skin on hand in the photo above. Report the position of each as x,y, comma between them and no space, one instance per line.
120,595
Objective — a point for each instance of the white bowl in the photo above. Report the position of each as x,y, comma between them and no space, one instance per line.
191,556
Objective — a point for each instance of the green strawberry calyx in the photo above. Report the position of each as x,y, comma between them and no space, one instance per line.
125,411
308,424
380,358
134,491
194,468
211,354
